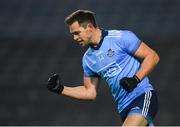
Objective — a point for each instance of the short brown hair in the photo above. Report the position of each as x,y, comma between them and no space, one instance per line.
81,16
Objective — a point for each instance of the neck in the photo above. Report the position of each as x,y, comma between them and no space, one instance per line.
96,37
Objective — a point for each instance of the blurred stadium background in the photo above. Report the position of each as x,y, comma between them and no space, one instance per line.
34,43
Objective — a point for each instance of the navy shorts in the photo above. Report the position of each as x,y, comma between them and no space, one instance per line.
146,105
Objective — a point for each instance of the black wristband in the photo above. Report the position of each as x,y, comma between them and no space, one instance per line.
61,88
137,79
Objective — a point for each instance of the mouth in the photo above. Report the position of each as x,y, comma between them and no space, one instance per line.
80,42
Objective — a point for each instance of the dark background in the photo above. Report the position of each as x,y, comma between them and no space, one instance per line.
35,42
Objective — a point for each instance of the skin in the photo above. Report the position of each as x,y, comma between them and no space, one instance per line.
135,120
85,36
91,35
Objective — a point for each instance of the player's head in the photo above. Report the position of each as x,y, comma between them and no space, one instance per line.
81,24
83,17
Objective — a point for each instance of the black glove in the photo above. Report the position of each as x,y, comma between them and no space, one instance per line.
54,84
129,83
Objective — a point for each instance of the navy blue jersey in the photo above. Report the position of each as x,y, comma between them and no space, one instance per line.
114,59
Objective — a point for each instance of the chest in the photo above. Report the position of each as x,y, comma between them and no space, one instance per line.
104,59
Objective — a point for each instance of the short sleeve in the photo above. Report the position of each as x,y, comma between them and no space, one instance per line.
87,71
130,42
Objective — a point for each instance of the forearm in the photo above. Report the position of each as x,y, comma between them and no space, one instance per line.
147,65
79,92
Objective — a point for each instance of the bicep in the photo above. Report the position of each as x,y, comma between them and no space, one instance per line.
143,51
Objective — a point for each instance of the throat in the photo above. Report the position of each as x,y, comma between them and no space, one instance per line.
97,37
94,45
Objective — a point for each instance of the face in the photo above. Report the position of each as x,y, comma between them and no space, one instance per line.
80,34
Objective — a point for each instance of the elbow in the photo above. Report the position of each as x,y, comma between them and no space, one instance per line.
92,99
154,57
157,58
92,95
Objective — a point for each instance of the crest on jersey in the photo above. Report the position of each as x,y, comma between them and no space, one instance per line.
110,53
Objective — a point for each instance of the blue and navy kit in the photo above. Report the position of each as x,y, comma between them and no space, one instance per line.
114,59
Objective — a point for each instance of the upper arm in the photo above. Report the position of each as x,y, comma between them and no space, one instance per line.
129,42
144,50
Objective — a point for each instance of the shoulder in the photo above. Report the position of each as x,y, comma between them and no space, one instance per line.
120,34
88,51
115,33
123,35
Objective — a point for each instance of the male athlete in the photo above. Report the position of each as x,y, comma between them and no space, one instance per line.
122,60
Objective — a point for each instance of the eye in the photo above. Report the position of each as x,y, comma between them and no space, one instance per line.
76,33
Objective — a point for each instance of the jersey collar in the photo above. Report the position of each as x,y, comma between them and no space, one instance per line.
104,33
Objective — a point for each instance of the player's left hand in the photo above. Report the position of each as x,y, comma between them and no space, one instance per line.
129,83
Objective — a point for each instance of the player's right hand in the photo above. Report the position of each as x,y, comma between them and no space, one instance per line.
54,84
